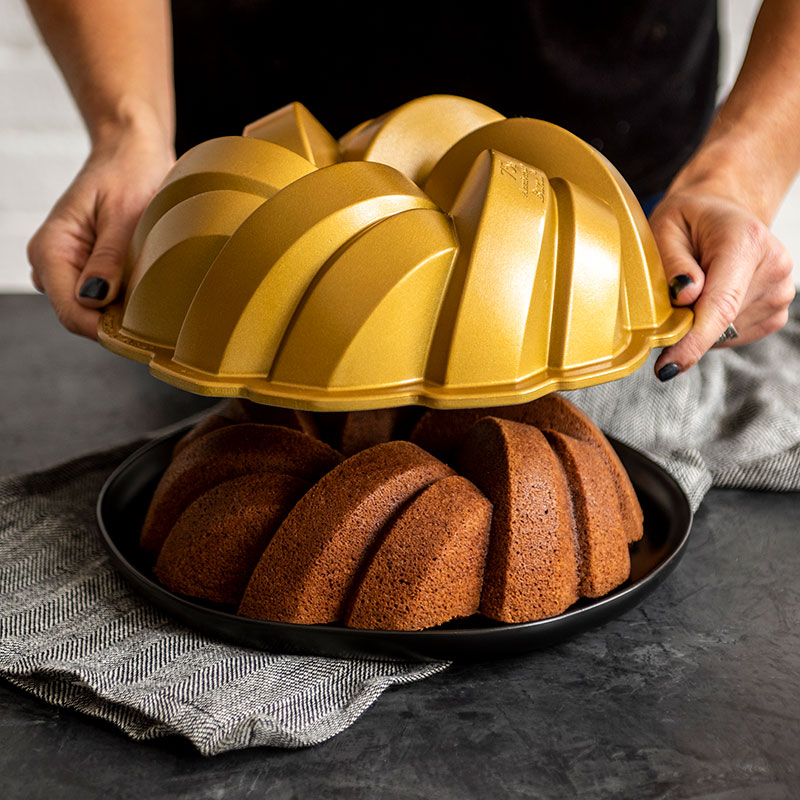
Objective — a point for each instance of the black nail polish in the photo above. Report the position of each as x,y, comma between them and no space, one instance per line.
94,289
668,371
678,284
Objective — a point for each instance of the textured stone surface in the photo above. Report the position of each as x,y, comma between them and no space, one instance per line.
42,139
62,395
694,694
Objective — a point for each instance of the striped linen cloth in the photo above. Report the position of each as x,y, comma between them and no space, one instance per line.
73,633
733,421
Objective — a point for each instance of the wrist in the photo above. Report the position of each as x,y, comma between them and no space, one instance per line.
131,119
733,168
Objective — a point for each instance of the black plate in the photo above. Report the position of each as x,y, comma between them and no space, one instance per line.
125,496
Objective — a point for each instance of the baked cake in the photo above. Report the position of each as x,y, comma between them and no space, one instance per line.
215,544
352,431
238,410
439,432
211,422
428,568
224,454
603,557
310,566
513,512
531,567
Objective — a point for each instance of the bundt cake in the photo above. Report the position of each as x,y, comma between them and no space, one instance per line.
310,566
211,422
604,560
238,410
227,453
215,544
351,431
513,512
531,568
439,432
430,564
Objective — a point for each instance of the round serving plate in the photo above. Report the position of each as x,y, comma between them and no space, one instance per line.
125,496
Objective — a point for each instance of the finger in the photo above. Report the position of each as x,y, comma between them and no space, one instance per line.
59,285
765,309
37,284
99,281
685,277
728,277
754,324
56,252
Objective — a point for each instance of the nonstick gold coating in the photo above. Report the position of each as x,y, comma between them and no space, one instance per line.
440,254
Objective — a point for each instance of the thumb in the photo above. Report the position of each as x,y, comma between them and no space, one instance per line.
99,282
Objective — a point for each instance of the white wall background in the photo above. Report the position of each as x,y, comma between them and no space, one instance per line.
42,141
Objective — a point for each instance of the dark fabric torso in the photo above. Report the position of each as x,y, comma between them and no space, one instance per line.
636,79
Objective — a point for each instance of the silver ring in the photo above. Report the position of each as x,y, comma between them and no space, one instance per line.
729,333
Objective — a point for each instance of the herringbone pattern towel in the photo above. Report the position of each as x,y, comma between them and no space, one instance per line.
731,422
73,633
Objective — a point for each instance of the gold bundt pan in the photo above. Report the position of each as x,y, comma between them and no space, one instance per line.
440,254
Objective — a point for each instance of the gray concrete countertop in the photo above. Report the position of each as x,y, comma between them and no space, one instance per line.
693,694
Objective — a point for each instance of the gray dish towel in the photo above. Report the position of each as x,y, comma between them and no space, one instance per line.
73,633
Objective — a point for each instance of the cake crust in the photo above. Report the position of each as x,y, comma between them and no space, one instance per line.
531,567
603,556
310,566
238,411
439,432
213,422
349,432
231,451
429,566
216,542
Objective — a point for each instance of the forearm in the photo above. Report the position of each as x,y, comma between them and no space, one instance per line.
752,151
712,227
116,56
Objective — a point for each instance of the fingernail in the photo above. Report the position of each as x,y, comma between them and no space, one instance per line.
94,289
678,284
668,371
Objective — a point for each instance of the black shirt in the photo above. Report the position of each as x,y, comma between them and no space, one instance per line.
636,79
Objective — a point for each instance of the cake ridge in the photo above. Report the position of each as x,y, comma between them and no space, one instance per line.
401,586
218,570
225,453
603,558
528,573
293,586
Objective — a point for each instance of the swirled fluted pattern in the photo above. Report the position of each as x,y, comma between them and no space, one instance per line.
440,254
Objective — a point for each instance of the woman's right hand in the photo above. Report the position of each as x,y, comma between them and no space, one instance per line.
78,254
